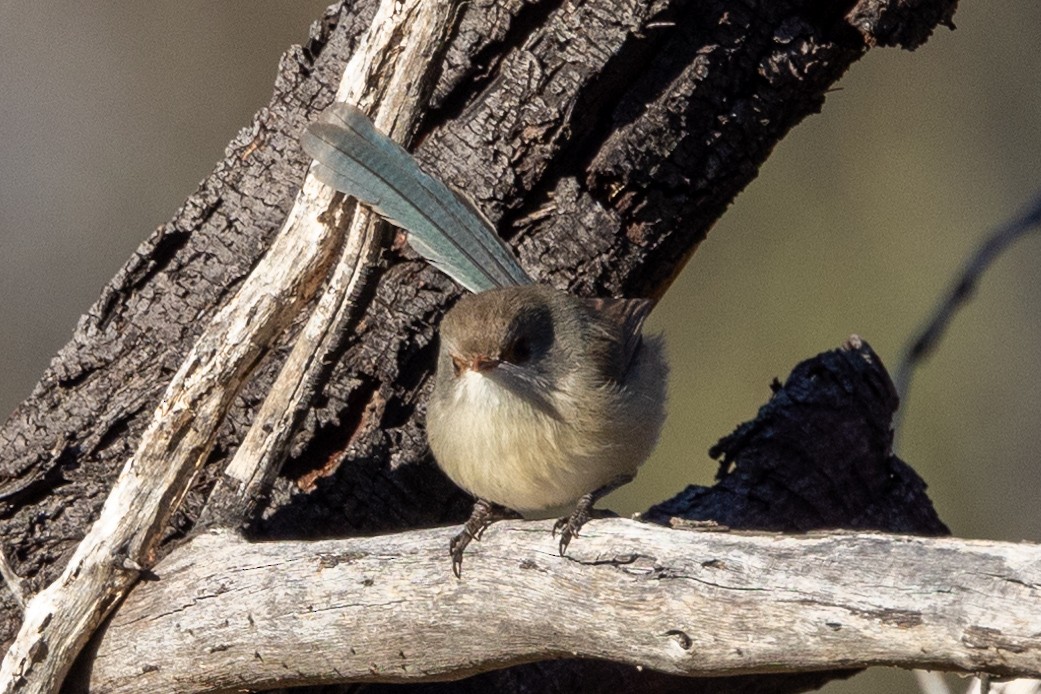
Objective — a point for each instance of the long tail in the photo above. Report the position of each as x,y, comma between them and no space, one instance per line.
449,231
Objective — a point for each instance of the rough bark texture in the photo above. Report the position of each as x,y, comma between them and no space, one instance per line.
818,455
604,136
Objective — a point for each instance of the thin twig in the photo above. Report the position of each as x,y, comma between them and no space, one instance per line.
927,339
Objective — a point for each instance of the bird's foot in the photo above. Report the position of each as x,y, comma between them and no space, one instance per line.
568,526
484,514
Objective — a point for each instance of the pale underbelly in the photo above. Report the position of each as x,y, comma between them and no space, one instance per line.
526,459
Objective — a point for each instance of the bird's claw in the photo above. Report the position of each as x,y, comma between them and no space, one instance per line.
459,543
455,549
569,527
484,514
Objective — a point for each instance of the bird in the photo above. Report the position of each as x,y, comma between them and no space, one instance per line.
543,401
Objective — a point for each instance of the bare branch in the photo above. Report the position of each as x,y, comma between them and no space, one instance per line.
928,337
229,614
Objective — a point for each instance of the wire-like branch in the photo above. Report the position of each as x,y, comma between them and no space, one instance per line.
928,337
388,608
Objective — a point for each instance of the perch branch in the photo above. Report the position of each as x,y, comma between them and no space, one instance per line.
122,542
388,608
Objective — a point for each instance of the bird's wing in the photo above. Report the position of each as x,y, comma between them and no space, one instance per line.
443,227
624,320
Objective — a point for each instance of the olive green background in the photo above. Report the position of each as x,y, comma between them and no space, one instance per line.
111,113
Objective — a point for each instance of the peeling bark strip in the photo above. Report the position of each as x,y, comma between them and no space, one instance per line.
123,541
391,77
388,609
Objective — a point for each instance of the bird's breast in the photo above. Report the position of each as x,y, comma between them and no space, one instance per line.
500,446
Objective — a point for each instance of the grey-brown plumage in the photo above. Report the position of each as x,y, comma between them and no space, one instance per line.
542,398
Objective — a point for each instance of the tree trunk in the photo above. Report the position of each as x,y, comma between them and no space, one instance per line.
603,137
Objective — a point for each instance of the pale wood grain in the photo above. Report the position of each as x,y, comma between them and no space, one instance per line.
226,613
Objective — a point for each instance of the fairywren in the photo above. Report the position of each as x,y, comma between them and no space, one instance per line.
542,400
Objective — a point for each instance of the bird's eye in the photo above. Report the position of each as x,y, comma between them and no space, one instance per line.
520,350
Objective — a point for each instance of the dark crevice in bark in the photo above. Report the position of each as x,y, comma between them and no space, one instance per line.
830,20
37,489
326,449
600,107
483,65
321,30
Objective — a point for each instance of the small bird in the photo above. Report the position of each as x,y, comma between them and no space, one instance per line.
542,401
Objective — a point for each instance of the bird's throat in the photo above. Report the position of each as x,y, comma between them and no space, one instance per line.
480,390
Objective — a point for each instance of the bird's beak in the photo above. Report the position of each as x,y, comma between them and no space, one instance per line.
479,364
476,364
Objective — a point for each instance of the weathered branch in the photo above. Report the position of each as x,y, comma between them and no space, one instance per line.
226,614
826,428
123,541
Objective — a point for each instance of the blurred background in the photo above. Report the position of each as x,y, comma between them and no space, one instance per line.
112,112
